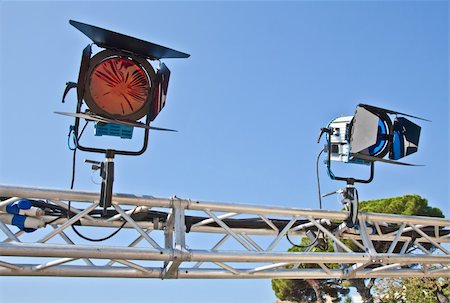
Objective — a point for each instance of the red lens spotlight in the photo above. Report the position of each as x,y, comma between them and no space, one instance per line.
119,86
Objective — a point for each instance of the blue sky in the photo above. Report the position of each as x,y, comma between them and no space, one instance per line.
262,79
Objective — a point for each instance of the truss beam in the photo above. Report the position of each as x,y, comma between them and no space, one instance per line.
181,238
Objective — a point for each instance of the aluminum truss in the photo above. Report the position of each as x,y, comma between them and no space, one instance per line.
182,238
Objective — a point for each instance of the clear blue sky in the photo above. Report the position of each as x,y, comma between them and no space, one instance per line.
262,79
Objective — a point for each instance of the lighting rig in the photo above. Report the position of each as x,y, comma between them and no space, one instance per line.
119,88
364,138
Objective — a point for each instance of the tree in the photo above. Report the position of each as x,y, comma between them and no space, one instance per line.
307,290
409,290
409,205
310,290
405,205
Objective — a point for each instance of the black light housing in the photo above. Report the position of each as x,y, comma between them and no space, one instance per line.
123,67
120,87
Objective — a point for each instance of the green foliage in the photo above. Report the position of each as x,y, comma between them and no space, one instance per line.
348,299
410,205
310,290
411,288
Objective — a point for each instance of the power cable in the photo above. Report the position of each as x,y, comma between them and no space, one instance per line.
313,243
76,140
105,238
318,179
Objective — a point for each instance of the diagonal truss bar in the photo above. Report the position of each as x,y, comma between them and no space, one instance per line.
72,209
269,223
136,227
8,201
68,241
370,249
132,265
325,268
171,269
405,246
281,234
68,223
329,234
267,267
210,220
17,234
387,267
423,249
214,248
251,241
228,230
128,212
10,266
132,244
419,231
227,267
397,237
8,232
53,263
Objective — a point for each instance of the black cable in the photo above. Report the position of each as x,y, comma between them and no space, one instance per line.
71,187
105,238
303,246
56,219
74,159
317,176
300,246
326,245
74,156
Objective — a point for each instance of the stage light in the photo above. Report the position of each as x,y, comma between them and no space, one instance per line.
364,138
117,88
370,135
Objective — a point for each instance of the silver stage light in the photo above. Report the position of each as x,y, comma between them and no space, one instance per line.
364,138
370,135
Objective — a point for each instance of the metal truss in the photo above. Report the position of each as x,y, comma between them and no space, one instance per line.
182,238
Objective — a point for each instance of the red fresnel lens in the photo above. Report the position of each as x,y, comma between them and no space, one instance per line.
119,86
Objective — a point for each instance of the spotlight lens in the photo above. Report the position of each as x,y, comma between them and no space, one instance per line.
119,86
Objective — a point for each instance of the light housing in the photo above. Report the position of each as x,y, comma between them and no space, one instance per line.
119,86
119,82
370,135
